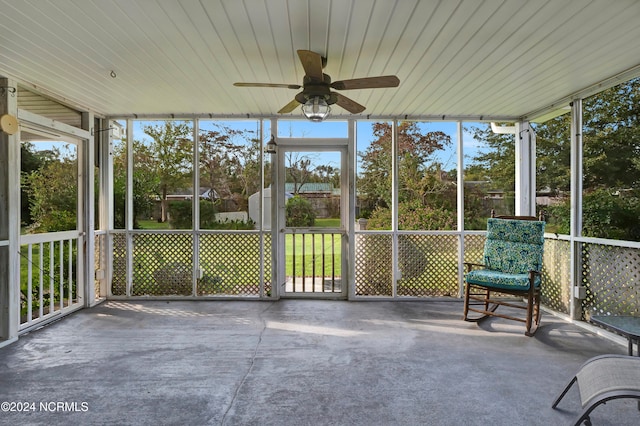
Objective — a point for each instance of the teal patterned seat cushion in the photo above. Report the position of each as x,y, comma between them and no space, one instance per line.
511,250
501,280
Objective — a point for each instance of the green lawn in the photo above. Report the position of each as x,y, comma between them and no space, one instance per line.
153,224
309,251
149,254
314,251
328,223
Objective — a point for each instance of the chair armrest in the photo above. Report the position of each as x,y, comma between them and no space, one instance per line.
533,273
470,265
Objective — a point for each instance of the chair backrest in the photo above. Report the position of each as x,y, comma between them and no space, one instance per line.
514,246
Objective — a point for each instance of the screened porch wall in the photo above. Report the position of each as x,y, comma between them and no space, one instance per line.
161,265
582,276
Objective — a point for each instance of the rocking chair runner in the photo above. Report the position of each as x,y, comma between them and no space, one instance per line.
512,265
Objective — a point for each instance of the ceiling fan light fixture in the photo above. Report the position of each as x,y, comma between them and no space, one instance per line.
316,108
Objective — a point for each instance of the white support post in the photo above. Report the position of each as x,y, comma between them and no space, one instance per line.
129,207
106,206
397,274
350,172
259,225
195,224
9,218
277,237
460,195
86,217
575,308
525,179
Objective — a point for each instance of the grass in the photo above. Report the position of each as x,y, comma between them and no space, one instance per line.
153,225
328,223
322,252
314,246
233,262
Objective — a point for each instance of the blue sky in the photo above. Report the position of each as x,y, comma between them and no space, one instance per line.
329,129
334,128
447,157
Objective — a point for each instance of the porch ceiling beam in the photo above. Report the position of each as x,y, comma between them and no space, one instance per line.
426,117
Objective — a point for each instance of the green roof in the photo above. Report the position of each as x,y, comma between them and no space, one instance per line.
309,187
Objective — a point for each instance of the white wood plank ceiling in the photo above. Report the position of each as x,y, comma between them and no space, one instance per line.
454,58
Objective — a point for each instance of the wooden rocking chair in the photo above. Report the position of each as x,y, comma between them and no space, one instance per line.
512,265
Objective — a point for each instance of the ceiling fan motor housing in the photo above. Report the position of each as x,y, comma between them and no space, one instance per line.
313,88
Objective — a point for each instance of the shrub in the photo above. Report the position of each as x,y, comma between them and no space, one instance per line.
300,212
413,215
181,213
606,213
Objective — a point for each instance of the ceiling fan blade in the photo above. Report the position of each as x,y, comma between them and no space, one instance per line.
349,104
289,107
367,83
284,86
312,64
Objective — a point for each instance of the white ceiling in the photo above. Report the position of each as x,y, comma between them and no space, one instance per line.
454,58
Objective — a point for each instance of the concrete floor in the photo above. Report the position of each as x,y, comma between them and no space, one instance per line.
298,362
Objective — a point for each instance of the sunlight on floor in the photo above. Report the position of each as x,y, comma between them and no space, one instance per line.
302,328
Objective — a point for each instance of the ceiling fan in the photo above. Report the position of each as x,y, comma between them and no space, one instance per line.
316,96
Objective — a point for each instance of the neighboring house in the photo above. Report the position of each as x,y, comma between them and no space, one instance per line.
324,198
547,197
310,189
187,194
209,194
223,205
495,194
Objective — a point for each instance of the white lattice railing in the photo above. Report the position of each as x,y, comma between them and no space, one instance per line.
238,263
186,263
610,273
50,267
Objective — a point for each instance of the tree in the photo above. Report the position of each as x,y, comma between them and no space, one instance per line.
497,162
299,170
611,162
218,161
145,182
251,170
420,175
611,137
374,182
53,193
172,150
230,163
30,161
328,174
553,154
